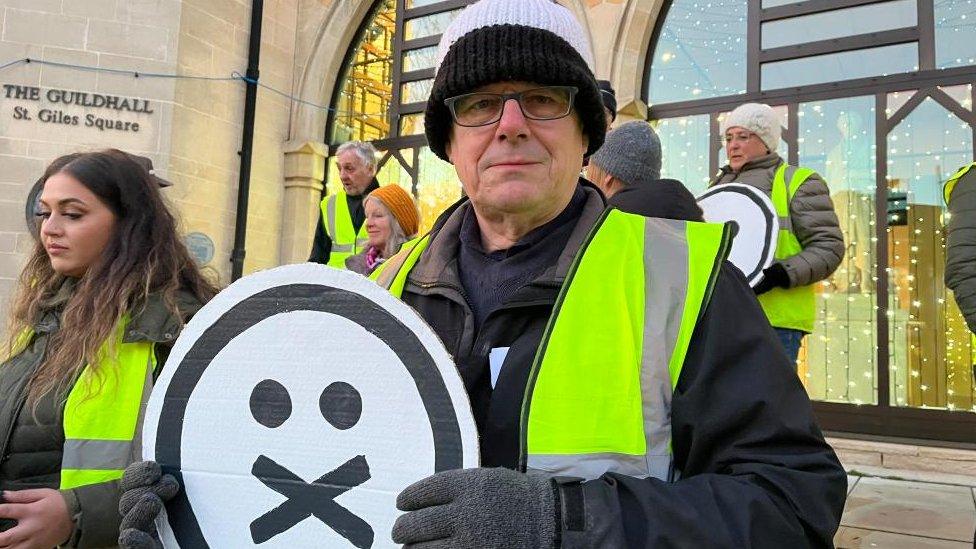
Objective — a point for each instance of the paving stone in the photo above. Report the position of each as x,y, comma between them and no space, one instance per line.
931,477
872,446
929,510
850,538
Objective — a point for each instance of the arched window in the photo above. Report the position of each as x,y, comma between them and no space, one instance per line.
381,95
877,97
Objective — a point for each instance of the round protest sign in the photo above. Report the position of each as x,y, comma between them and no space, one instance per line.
757,227
293,409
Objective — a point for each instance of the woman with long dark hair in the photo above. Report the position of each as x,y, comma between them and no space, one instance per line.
105,291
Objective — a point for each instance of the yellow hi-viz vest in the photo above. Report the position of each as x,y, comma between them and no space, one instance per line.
338,225
102,413
794,308
599,395
951,183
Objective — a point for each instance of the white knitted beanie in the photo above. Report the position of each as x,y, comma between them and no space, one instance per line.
758,118
541,14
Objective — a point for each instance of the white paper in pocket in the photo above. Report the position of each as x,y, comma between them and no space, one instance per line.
495,360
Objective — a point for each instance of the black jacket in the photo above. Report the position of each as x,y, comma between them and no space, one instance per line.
754,468
667,198
960,270
322,245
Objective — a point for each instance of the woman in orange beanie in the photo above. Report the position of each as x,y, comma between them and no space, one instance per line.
391,220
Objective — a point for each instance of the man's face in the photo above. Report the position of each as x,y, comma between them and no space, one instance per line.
741,146
354,173
518,166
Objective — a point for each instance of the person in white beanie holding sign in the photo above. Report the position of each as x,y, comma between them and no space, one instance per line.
626,388
810,245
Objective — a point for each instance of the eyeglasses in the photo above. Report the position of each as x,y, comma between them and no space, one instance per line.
480,109
741,137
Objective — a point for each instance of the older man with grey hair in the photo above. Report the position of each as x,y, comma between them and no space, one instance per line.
341,230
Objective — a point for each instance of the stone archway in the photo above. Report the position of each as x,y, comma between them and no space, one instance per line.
326,31
630,55
325,35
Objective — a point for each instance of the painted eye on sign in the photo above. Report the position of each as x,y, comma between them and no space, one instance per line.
294,408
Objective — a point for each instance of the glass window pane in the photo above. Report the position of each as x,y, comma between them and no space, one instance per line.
840,66
428,25
684,146
955,33
839,361
701,52
362,109
437,187
962,94
838,23
392,172
423,58
412,124
419,90
930,350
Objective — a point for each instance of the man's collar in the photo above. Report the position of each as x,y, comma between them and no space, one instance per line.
445,238
470,232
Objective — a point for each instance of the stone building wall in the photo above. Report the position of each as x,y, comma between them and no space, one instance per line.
125,35
193,133
208,121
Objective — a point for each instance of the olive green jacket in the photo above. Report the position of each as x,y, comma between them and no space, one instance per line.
32,440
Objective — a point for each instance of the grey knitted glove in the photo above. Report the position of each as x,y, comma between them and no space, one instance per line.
144,489
465,508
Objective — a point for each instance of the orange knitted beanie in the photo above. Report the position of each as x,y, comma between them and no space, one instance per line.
401,205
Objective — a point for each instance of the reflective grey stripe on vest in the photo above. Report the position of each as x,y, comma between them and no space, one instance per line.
589,466
330,224
330,211
96,455
785,223
666,289
665,292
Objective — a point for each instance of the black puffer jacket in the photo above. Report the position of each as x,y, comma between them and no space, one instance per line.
666,198
755,470
960,270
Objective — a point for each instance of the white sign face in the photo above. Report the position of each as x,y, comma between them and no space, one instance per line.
757,232
295,407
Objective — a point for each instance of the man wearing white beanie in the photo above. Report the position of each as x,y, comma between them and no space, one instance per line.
810,245
626,388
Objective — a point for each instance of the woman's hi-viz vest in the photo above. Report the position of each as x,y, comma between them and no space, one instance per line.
947,189
599,394
102,412
338,225
951,183
794,308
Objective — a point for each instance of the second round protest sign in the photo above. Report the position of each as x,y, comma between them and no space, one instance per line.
295,407
757,227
